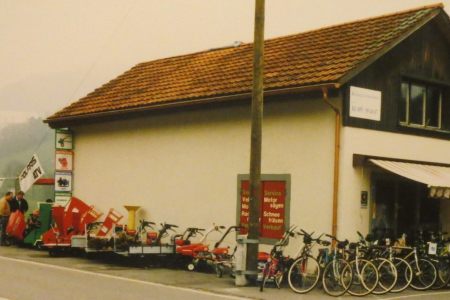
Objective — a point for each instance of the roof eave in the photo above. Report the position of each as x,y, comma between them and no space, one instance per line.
60,122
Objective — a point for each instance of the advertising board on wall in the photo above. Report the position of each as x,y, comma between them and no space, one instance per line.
64,160
365,103
63,166
63,182
63,139
62,198
274,206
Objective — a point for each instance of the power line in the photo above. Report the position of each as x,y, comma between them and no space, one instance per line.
94,63
107,41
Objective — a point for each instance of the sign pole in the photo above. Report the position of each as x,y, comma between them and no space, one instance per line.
256,137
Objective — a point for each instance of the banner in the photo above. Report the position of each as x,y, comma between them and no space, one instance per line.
32,172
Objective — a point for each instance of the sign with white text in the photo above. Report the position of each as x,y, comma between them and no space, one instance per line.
274,206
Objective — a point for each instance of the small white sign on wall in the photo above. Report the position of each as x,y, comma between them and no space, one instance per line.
365,103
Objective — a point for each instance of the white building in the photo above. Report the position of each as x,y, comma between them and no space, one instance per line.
173,135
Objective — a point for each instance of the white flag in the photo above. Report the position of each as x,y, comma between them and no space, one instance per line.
1,181
32,172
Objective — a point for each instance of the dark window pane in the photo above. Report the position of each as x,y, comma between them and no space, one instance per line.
446,110
403,101
417,95
433,100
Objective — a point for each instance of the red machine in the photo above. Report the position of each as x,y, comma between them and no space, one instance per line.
112,218
223,259
189,251
16,225
68,222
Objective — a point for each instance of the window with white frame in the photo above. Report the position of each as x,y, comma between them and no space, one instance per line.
422,105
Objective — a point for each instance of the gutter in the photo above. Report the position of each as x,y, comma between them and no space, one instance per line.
337,154
61,122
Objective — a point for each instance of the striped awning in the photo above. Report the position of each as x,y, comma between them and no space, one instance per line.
437,178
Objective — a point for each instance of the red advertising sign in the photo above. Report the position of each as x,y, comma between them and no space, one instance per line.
273,208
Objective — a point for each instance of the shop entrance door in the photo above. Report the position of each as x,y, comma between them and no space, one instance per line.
402,206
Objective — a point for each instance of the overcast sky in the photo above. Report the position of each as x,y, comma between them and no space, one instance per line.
55,51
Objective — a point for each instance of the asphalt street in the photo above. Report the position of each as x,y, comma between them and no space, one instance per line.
30,274
30,280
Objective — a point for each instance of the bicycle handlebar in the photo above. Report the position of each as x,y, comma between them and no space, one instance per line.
335,238
168,226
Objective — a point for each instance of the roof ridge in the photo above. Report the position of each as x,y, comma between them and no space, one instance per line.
210,50
431,6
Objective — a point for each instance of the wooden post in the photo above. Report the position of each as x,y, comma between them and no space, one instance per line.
256,137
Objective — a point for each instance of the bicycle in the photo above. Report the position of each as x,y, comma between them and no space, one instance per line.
424,273
337,274
365,274
387,271
277,263
305,271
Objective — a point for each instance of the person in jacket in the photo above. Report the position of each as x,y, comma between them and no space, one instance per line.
5,212
19,203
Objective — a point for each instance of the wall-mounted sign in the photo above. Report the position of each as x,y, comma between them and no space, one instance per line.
62,198
32,172
63,182
364,199
274,206
64,139
365,104
64,160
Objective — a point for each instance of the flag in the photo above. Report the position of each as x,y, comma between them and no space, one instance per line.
32,172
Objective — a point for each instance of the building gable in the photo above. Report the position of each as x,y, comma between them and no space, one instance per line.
422,58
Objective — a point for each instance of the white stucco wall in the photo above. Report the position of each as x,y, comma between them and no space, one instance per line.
384,144
182,167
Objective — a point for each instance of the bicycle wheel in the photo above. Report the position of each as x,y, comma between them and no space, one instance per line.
304,274
443,271
404,274
337,277
387,276
365,277
424,274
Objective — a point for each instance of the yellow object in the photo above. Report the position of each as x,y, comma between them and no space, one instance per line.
131,216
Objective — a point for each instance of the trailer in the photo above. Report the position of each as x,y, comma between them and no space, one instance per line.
145,241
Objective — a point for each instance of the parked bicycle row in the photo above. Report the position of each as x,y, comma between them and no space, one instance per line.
358,268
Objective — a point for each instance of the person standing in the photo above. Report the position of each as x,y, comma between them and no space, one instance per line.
19,203
5,212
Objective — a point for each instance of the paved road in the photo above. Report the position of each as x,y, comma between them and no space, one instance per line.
30,274
23,280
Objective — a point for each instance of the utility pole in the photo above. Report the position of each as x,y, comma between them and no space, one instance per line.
256,137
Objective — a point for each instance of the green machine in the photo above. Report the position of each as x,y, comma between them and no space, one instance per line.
42,225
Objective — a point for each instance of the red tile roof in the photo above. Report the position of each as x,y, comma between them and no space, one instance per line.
315,57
